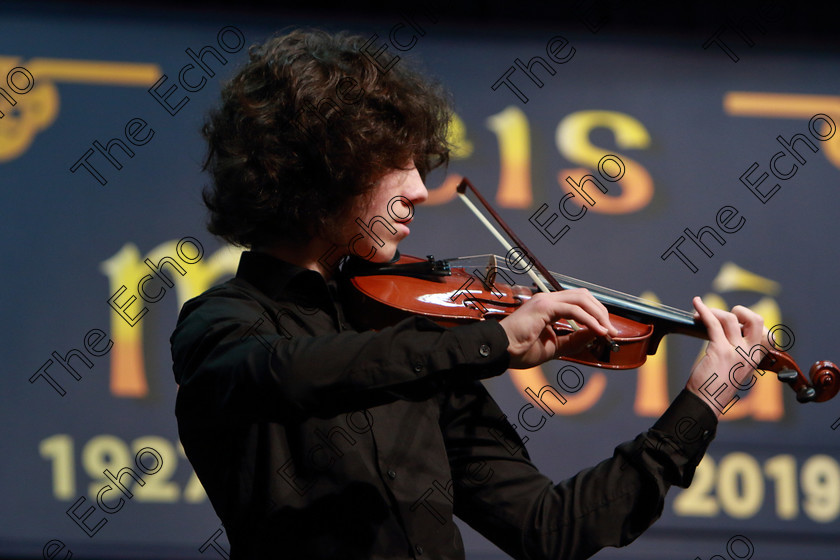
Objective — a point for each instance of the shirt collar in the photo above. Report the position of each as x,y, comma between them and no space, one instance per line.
279,279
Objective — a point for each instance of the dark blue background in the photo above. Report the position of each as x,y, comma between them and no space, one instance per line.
58,227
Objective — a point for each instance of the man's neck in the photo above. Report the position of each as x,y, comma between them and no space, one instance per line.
304,256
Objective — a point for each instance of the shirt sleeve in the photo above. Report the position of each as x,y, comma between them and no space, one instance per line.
501,494
224,355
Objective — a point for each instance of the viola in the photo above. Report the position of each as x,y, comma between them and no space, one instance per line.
457,291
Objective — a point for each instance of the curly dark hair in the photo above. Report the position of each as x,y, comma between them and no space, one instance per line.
309,124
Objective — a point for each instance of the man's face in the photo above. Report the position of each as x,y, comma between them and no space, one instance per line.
385,214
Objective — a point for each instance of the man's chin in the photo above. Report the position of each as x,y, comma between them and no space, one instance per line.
383,255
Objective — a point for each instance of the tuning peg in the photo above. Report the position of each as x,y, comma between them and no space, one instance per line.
806,394
787,375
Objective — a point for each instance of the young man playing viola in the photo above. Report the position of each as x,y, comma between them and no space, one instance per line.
317,440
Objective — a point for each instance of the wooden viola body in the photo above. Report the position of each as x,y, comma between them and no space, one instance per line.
381,295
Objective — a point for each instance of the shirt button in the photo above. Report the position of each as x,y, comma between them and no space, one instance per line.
484,350
392,475
419,549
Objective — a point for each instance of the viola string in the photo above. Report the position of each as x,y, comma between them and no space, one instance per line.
615,295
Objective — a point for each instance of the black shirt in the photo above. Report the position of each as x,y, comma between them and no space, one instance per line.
314,440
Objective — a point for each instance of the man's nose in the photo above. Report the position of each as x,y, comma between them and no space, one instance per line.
416,192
